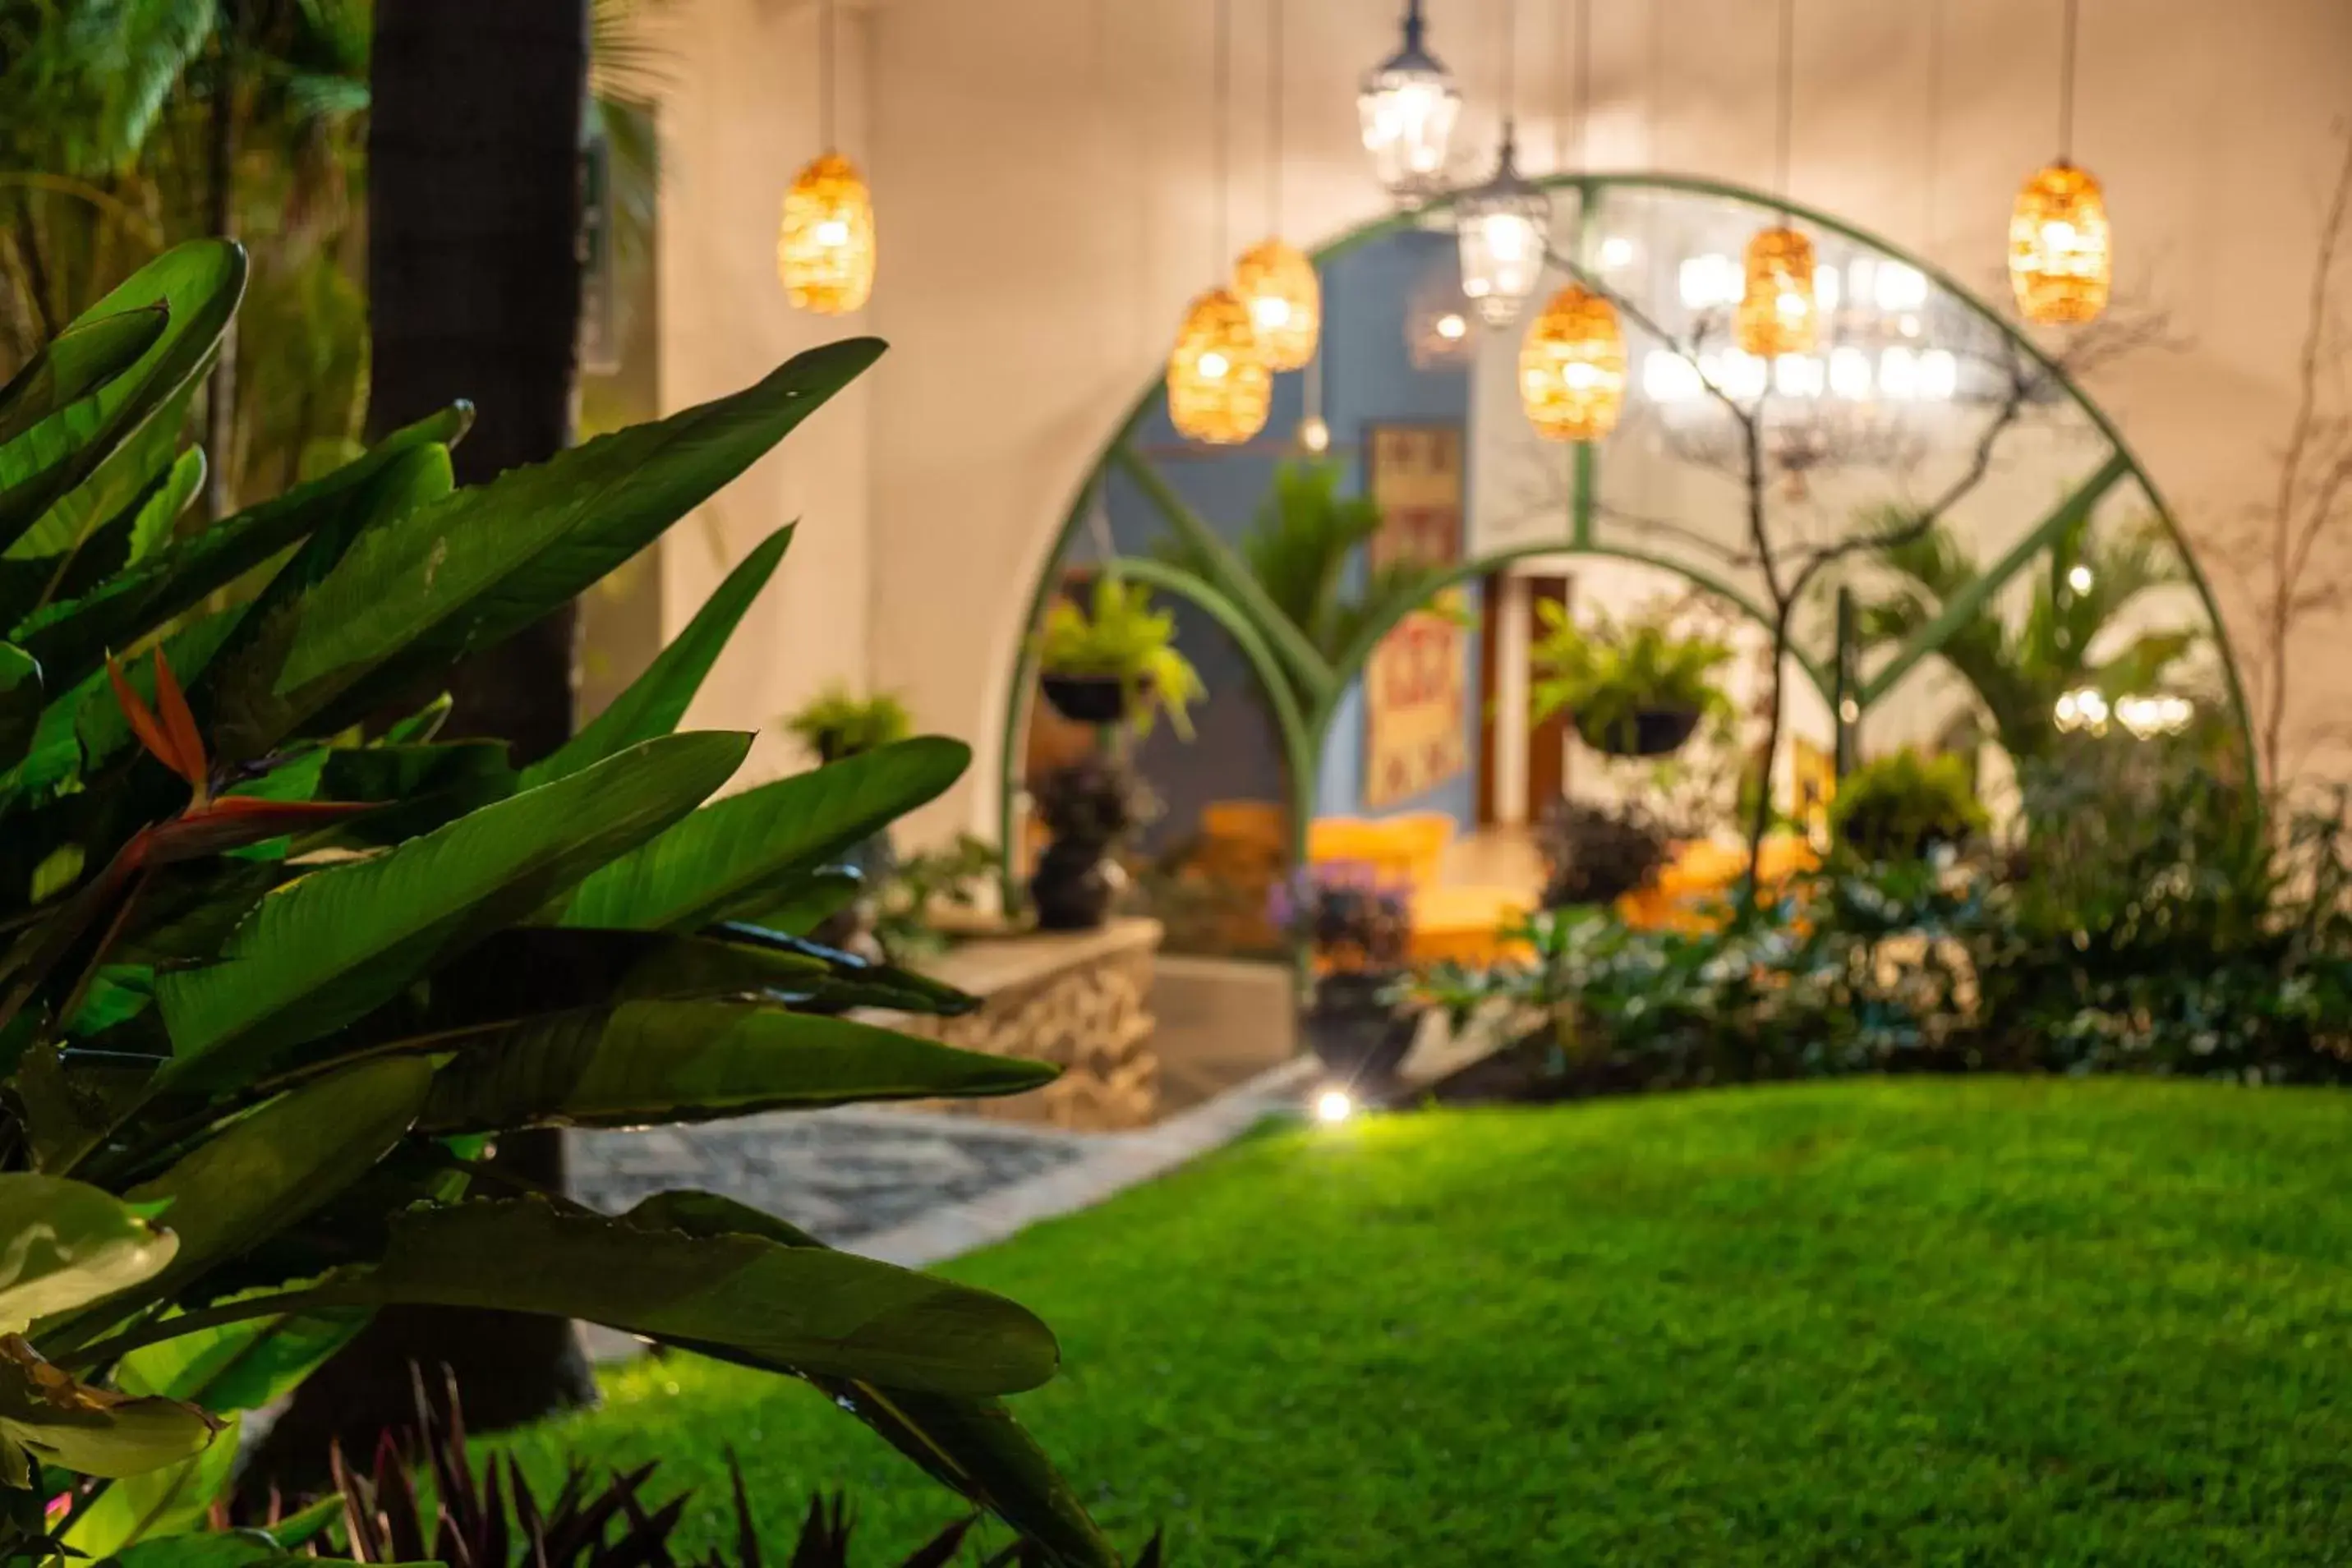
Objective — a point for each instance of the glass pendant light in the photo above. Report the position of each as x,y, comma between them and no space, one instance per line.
1219,387
1777,314
1274,278
1407,106
825,249
1572,360
2061,259
1503,225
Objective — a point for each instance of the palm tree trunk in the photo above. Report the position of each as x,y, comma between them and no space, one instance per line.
474,266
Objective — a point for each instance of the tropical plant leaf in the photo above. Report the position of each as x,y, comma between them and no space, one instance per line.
330,947
795,1309
69,1244
653,704
241,1365
76,363
799,904
47,1418
264,1171
971,1445
20,700
467,571
724,861
200,282
644,1063
157,1502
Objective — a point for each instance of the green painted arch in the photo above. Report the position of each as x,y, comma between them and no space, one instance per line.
1589,187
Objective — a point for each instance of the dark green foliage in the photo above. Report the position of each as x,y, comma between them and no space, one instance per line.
1905,805
1096,800
1906,1324
1607,676
271,971
1597,855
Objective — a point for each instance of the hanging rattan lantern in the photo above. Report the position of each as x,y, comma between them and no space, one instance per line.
825,253
2060,261
1219,387
1278,283
1572,367
1777,314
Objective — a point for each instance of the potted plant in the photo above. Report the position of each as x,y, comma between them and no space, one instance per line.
1116,660
1904,806
1635,690
837,724
1090,807
1355,926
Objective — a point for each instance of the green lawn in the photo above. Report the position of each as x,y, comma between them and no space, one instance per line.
1947,1322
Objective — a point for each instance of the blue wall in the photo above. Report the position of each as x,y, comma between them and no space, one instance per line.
1368,378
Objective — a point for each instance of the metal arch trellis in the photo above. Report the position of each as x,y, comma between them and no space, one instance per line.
1272,648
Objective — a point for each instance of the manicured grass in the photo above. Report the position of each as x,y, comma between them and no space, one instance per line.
1947,1321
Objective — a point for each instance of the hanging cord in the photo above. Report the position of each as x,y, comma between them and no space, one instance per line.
2066,89
824,73
1273,119
1584,84
1511,27
1935,120
1787,101
1223,92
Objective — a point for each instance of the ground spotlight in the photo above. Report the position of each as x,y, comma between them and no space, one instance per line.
1333,1105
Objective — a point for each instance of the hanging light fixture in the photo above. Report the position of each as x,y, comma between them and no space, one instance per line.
1219,387
2061,261
1274,278
1572,360
1407,106
1503,223
824,250
1777,314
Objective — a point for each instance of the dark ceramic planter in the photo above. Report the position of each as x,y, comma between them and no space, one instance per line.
1073,885
1657,732
1091,699
1356,1036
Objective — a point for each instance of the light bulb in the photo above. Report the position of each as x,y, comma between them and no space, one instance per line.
1271,312
1314,433
1850,375
1213,365
1334,1106
2079,579
1451,327
832,231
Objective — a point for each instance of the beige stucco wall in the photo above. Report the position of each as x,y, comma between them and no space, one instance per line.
1042,171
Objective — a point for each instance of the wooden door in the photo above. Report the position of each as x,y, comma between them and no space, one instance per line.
1547,742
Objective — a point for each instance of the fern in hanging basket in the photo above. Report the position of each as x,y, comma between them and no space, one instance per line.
1634,690
1116,660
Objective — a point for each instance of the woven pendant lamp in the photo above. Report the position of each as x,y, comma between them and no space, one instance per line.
2061,252
824,247
1274,278
1572,367
1777,311
1220,390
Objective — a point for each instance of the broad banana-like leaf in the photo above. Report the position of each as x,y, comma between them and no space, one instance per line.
263,1172
467,571
48,1417
69,1244
20,701
200,283
240,1365
89,534
653,704
971,1445
644,1062
726,860
534,969
73,635
157,1502
791,1308
331,947
227,1549
799,903
77,363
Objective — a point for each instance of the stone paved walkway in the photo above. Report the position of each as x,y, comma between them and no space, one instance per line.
839,1174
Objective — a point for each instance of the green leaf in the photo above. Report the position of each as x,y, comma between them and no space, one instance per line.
801,903
793,1308
323,950
77,363
20,701
157,1502
971,1445
74,635
201,283
655,702
53,1420
726,860
240,1365
264,1171
644,1063
69,1244
486,561
230,1549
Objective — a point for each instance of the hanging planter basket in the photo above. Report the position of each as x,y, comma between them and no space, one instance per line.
1654,732
1095,699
